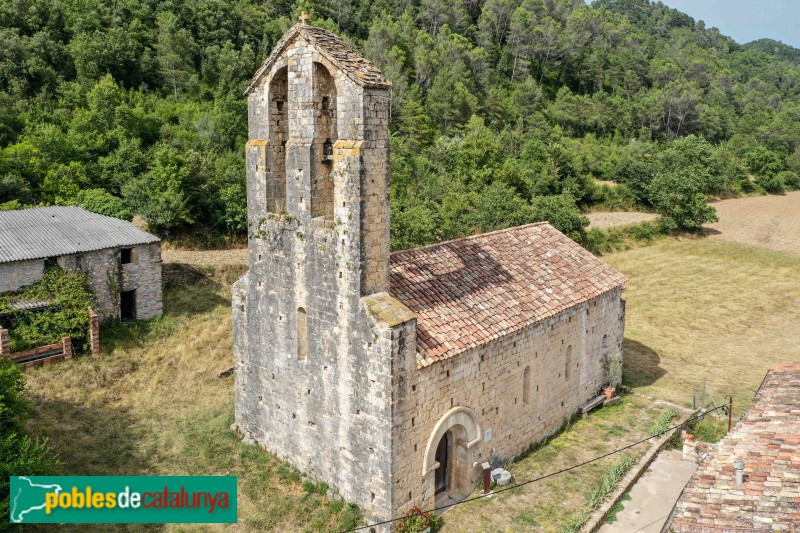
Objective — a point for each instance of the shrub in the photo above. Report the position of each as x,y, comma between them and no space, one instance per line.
678,196
617,198
66,316
100,202
19,454
417,521
790,180
772,183
562,213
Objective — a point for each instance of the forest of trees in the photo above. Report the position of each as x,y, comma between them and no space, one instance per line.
503,111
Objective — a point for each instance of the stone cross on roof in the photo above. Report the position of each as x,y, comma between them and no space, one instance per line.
304,17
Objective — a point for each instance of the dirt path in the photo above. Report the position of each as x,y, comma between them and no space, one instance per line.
618,218
235,256
765,221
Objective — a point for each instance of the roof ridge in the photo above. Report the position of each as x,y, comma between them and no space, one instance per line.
360,76
474,235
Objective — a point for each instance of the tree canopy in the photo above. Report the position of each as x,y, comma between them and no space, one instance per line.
502,110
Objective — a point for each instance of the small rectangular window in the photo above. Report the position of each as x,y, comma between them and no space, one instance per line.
126,256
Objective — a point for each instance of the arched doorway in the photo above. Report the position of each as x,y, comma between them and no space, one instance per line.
440,478
448,462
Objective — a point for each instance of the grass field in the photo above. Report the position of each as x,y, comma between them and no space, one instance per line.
553,504
707,308
152,403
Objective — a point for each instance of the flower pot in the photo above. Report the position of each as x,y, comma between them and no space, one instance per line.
609,392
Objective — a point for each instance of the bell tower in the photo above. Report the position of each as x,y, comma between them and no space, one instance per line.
313,380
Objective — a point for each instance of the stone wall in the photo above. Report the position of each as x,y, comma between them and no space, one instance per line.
107,277
145,277
488,383
312,361
326,364
18,274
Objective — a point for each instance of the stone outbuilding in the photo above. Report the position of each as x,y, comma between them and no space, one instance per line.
121,262
393,377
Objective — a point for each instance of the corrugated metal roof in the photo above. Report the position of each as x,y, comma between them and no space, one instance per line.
23,305
62,230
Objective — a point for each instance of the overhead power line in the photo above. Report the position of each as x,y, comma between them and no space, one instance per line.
552,474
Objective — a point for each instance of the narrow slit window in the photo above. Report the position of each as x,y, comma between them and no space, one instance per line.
568,363
526,386
302,334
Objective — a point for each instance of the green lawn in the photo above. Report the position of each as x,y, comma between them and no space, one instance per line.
553,504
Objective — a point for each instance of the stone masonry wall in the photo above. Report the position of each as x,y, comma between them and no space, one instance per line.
327,411
145,277
489,381
18,274
107,277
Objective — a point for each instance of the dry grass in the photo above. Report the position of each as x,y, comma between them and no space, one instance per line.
711,309
550,505
613,219
771,221
152,405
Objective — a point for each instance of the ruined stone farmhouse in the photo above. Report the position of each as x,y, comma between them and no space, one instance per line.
122,263
393,377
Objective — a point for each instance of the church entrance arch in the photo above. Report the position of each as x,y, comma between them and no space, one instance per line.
449,455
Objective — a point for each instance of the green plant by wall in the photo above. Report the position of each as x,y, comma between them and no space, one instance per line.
416,521
66,316
613,367
662,422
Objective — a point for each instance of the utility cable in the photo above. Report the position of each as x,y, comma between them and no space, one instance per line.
552,474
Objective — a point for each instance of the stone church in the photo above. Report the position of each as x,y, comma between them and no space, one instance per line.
394,376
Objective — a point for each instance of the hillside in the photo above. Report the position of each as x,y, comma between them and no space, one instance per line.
503,111
776,48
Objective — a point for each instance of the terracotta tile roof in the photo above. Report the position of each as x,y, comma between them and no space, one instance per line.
357,67
767,439
472,290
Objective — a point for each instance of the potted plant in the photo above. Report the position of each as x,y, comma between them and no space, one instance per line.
609,391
